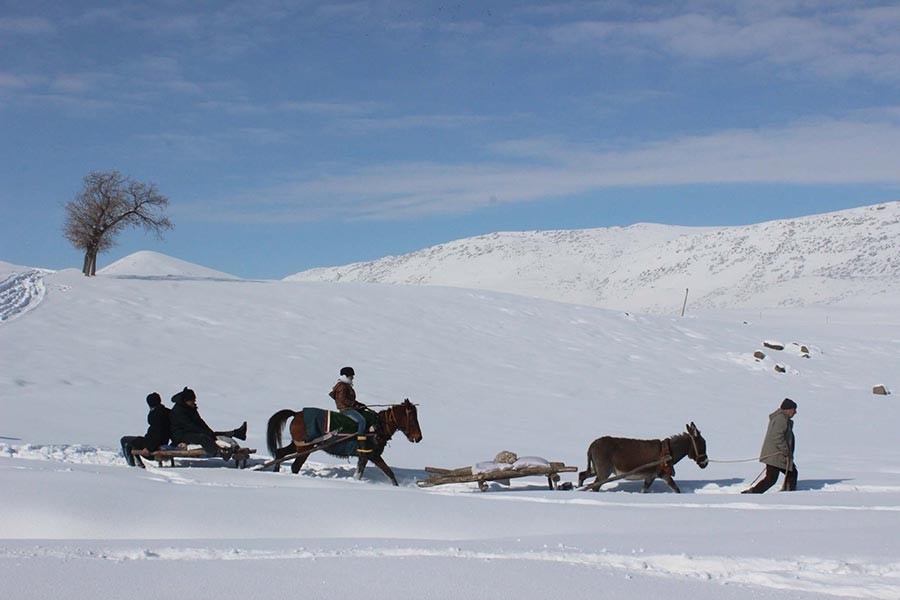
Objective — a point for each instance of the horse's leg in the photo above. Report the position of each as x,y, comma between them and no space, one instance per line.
298,437
361,467
281,453
379,462
298,463
671,483
648,481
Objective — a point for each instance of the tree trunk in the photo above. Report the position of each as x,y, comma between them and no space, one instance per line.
93,263
86,269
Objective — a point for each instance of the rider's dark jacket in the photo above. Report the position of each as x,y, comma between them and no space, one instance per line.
186,420
159,427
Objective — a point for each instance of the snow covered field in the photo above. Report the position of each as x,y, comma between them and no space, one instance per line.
491,372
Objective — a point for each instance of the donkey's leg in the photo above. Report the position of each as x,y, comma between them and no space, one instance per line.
361,467
671,483
603,467
589,470
379,462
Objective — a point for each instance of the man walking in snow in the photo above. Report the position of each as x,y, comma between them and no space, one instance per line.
778,450
344,397
157,432
188,427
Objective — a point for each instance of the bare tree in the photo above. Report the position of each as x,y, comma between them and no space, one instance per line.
107,204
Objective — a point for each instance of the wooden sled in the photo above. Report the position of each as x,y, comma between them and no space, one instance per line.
240,456
465,475
320,443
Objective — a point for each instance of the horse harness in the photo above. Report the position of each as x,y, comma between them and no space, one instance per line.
697,456
665,458
390,413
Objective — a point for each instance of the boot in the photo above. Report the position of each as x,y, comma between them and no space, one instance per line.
129,457
241,432
362,445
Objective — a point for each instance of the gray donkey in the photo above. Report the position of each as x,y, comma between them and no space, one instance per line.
643,459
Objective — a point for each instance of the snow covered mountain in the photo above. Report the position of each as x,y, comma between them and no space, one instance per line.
846,257
153,264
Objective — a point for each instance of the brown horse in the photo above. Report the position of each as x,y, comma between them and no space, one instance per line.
402,417
622,455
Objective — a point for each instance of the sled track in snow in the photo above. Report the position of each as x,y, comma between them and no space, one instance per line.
848,578
19,293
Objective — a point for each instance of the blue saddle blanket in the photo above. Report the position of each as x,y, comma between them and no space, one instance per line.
318,422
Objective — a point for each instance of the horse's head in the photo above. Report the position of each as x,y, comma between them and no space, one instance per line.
697,451
408,420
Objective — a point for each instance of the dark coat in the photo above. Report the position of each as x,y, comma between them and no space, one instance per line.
159,427
187,420
779,441
345,396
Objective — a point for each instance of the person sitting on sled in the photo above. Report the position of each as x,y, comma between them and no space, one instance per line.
344,397
188,427
157,432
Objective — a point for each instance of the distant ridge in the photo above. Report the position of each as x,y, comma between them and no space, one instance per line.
146,263
845,257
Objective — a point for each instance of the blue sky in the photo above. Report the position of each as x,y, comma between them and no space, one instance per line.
290,135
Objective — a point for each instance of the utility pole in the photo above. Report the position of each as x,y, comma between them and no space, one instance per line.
684,306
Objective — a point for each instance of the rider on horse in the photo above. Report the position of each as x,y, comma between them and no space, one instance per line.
345,398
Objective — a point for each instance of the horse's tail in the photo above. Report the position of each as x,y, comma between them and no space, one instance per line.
590,466
276,425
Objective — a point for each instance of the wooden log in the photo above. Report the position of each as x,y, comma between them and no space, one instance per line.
442,479
459,471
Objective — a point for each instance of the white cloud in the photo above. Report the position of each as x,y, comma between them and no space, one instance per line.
836,40
26,25
369,124
818,151
9,81
336,109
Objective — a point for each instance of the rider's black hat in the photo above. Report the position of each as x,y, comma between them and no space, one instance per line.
184,395
348,371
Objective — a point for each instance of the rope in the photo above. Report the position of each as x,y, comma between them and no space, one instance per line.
753,483
743,460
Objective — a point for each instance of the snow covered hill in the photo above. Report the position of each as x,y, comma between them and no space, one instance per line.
153,264
851,257
490,372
